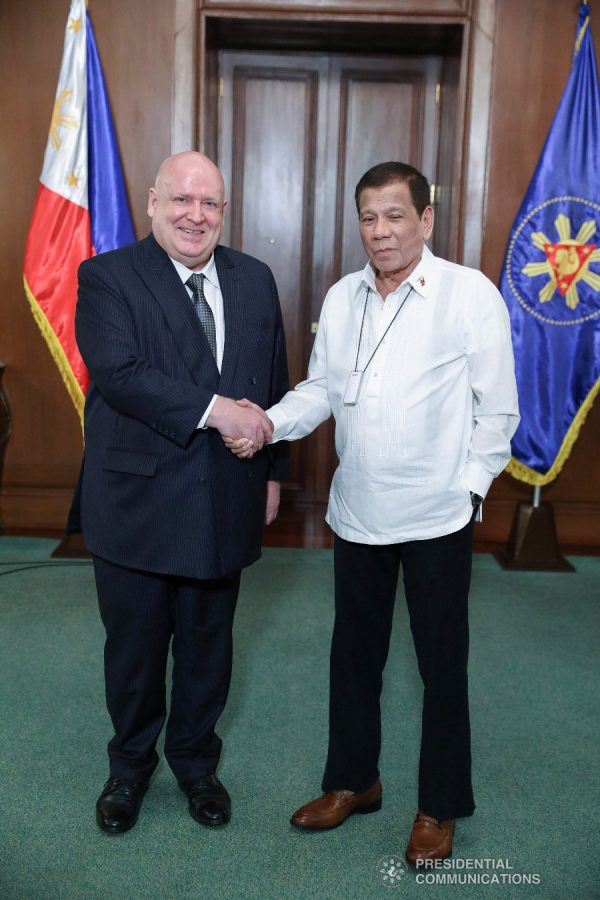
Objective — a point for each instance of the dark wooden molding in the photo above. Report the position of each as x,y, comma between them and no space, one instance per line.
398,7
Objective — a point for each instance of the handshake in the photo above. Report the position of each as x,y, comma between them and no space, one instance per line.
244,427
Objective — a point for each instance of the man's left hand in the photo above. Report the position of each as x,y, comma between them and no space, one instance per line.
273,495
240,447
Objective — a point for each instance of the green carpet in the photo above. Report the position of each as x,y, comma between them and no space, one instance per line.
534,689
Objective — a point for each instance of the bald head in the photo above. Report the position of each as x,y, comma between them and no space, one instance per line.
183,165
186,206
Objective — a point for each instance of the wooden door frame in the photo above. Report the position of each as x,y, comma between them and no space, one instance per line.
194,85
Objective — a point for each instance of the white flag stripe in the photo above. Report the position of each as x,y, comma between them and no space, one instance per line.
65,160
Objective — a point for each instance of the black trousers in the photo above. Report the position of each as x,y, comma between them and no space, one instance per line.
437,575
141,613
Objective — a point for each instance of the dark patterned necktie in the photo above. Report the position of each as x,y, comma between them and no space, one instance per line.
203,310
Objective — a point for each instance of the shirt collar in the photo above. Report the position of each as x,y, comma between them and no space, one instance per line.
209,270
420,279
367,278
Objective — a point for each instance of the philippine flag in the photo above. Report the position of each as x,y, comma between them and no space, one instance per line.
81,206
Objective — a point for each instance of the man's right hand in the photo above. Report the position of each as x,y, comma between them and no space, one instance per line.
242,447
238,420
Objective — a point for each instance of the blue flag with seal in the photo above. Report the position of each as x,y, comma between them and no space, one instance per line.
550,279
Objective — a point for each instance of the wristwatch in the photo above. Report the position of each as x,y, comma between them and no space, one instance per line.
476,500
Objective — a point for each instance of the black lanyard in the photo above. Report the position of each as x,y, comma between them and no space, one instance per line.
384,333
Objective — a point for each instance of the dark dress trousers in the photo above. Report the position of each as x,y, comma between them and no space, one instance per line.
169,514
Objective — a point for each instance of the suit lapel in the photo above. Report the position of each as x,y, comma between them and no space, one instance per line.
168,290
230,281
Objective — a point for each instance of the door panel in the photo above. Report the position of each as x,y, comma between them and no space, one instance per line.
399,102
296,132
268,137
384,106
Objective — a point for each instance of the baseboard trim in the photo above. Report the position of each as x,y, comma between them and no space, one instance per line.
34,508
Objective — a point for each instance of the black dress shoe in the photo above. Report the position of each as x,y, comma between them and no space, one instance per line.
210,804
118,805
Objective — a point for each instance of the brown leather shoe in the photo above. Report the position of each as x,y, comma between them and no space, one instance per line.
334,807
430,838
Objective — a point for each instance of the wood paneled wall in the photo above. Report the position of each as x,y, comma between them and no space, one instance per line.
136,40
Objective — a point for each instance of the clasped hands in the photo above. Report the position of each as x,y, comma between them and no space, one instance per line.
244,427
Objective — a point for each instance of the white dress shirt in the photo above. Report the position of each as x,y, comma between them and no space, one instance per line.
436,409
214,298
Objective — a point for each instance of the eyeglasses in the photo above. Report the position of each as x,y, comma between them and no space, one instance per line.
207,206
211,205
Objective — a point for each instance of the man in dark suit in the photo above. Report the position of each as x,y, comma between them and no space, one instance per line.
173,329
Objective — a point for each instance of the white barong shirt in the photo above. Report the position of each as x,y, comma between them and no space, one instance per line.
437,405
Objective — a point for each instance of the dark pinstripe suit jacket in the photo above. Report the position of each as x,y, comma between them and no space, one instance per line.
155,493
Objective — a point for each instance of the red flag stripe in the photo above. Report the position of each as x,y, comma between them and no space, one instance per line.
59,238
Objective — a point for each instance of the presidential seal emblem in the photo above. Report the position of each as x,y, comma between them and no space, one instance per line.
551,277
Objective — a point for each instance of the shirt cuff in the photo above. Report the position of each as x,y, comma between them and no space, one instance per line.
476,479
278,420
202,422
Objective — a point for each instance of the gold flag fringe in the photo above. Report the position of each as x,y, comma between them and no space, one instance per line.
522,472
58,354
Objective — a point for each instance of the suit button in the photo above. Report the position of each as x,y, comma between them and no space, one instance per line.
202,480
253,379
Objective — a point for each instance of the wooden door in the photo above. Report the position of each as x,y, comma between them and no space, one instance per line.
296,132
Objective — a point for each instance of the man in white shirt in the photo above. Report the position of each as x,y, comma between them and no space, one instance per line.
413,358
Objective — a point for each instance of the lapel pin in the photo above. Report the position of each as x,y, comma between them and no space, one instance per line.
421,281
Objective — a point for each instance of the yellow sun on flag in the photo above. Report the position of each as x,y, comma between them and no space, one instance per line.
567,261
58,119
75,24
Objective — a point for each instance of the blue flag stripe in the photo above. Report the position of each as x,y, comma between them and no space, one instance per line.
109,209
